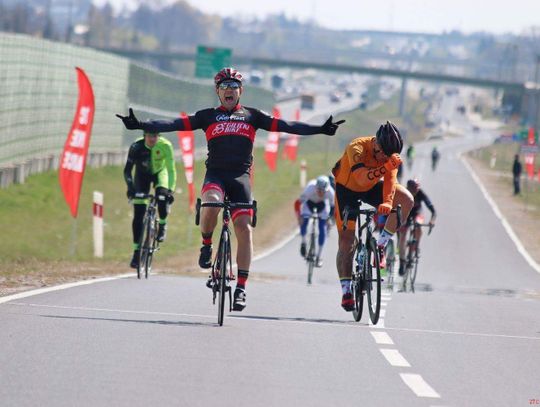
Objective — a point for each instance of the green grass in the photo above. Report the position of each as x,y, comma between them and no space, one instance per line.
41,227
503,164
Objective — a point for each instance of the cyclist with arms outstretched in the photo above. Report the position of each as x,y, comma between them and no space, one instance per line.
413,185
230,133
368,171
153,159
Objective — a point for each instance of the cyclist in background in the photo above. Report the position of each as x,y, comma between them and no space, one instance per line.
230,133
410,156
368,171
153,159
319,195
415,214
435,156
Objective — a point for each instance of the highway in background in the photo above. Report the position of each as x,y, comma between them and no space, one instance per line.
469,335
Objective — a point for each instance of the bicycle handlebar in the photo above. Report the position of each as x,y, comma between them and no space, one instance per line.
370,212
229,205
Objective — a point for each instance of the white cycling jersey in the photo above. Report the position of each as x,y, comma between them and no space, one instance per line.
310,194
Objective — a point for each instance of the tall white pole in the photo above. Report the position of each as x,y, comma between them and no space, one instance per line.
98,224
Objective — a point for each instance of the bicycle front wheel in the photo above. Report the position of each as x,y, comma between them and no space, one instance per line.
311,259
151,246
143,247
223,258
373,281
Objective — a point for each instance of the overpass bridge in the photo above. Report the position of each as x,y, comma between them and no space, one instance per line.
523,98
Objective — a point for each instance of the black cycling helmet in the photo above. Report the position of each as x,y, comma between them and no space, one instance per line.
228,74
389,138
413,185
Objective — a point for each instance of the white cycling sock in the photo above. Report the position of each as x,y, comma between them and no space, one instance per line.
345,285
384,237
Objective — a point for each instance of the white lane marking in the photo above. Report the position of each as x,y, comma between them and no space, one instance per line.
346,324
382,338
382,312
395,358
30,293
384,303
521,249
418,385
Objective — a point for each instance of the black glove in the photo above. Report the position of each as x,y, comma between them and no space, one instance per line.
130,192
170,197
131,122
330,128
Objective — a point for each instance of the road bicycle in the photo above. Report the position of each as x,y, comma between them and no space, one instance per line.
311,254
366,274
222,272
148,243
413,254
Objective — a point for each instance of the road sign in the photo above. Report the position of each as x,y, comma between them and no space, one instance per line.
210,60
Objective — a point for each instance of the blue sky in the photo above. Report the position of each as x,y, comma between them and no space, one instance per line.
401,15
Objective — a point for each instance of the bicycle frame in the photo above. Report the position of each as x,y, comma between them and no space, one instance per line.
222,272
411,268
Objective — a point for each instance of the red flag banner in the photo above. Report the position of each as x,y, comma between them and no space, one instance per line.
186,140
272,144
529,165
73,158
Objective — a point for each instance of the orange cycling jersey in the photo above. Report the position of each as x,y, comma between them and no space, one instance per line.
358,170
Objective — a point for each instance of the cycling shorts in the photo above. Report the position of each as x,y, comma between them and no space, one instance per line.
346,197
233,184
142,183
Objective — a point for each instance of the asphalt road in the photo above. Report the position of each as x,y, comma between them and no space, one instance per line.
468,335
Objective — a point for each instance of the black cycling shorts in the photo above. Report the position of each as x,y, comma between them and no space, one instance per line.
346,197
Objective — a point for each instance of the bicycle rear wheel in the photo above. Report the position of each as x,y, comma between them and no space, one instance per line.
373,281
223,257
414,268
390,252
311,258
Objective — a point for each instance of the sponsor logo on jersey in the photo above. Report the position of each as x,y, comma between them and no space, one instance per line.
230,128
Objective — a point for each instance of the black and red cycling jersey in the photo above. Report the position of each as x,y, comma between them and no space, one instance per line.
230,134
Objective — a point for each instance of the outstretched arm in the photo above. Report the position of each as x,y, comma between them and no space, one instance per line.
159,126
273,124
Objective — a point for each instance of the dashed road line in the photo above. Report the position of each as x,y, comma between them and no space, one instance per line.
382,338
418,385
394,357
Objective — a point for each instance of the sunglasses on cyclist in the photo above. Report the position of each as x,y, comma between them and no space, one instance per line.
229,84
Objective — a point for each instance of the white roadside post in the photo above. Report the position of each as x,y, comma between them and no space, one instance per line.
303,173
98,224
